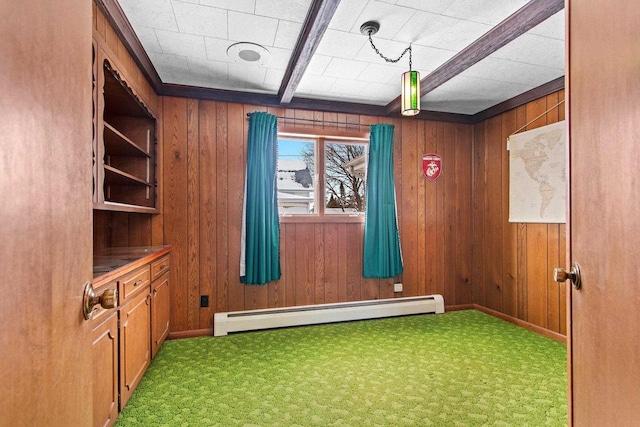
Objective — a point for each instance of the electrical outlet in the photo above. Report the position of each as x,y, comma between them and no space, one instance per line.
397,287
204,300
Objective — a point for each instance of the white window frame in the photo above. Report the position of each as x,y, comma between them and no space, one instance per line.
320,136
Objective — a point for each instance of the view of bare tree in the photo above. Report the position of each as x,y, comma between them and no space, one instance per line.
344,190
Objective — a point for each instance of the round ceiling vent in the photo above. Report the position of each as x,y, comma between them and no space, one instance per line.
248,52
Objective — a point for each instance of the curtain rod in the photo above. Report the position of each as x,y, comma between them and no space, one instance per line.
318,121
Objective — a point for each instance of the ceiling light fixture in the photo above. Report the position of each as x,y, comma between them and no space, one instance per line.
410,80
244,52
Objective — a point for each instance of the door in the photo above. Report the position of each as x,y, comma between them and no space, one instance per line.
45,212
604,120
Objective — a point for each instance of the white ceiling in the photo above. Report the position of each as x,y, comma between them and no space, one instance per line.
187,42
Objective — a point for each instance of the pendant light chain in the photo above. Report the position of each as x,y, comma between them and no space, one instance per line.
389,59
410,81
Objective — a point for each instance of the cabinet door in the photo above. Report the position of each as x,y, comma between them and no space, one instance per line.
159,312
135,345
105,372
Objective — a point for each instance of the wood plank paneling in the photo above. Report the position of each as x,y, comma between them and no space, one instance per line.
175,207
493,217
521,245
193,215
409,203
319,262
305,264
462,219
478,214
342,265
354,261
236,143
331,262
207,248
552,310
520,262
536,274
421,214
451,214
288,265
157,224
204,162
440,216
455,234
509,229
430,278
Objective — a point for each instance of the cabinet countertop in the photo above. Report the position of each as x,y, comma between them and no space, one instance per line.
113,262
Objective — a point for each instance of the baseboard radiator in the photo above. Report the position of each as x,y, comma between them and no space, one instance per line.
251,320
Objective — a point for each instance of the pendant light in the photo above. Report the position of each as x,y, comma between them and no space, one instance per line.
410,80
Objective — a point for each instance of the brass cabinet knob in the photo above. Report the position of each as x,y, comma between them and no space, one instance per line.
108,299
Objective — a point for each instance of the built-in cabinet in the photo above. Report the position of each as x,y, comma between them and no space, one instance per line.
126,122
124,146
126,338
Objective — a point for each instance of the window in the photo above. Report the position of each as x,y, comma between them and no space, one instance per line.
296,170
321,177
345,167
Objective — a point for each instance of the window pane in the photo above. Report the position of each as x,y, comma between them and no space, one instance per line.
345,172
296,183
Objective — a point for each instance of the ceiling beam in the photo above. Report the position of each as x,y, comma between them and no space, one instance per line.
315,24
121,25
521,21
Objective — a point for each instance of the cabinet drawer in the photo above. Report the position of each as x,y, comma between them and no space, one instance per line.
133,282
159,266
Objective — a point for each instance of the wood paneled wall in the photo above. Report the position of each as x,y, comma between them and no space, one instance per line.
513,263
204,162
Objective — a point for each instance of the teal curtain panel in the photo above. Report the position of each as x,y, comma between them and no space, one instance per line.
260,245
382,255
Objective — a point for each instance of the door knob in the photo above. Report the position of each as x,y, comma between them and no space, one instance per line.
108,299
561,275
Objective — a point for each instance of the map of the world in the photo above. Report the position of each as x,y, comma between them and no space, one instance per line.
538,175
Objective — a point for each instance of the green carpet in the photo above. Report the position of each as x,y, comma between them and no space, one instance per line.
462,368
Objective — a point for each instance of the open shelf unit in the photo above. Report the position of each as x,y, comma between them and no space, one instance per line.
125,150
